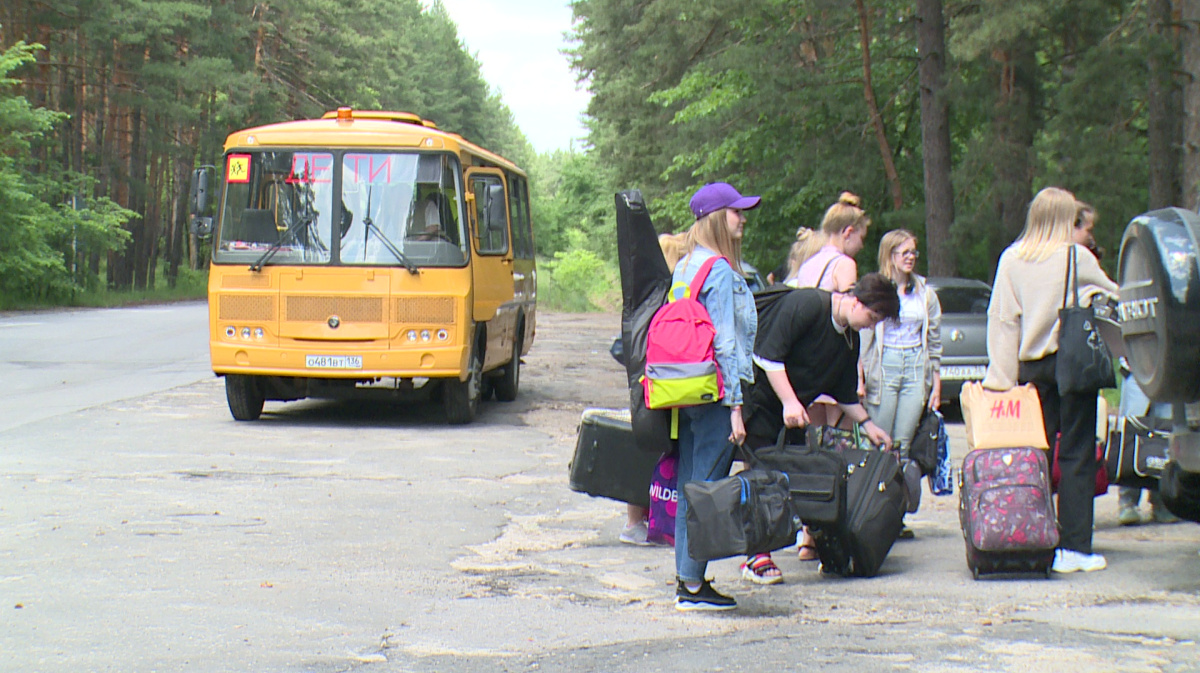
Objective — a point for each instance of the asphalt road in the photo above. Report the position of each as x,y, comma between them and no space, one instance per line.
142,529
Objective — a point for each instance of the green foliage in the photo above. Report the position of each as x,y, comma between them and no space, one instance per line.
769,96
38,232
578,281
129,95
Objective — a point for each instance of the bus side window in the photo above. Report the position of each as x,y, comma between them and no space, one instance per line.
519,214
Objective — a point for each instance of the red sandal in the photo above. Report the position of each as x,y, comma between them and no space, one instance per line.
760,569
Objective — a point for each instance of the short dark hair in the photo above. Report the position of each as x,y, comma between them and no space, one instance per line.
878,293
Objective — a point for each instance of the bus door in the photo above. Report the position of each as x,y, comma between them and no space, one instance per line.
492,267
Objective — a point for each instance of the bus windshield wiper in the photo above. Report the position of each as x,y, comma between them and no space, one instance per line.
369,226
289,235
400,257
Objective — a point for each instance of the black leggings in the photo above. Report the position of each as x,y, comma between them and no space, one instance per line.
1074,416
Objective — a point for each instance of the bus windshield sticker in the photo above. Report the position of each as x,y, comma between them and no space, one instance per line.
238,168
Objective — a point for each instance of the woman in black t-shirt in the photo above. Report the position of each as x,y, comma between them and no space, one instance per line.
807,346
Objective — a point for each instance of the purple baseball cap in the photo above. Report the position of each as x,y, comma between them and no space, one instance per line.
717,195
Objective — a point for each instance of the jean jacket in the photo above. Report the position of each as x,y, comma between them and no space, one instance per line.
730,306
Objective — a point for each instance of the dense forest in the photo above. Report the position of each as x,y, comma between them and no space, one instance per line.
107,105
944,115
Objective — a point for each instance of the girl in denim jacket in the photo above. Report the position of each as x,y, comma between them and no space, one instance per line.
708,432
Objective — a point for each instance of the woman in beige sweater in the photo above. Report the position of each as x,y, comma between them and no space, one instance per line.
1022,342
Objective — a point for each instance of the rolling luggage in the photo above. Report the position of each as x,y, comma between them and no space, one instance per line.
1007,512
607,461
876,499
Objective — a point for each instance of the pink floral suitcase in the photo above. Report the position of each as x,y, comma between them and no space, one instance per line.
1007,511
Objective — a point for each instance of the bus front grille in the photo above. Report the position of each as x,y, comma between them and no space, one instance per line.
424,311
302,308
258,308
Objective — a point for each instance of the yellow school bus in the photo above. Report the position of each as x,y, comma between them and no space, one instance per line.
367,251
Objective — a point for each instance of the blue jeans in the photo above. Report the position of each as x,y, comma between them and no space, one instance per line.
903,395
705,454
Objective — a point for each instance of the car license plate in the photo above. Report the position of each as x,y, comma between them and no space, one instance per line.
333,361
963,372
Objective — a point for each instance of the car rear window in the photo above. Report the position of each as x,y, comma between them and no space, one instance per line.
964,299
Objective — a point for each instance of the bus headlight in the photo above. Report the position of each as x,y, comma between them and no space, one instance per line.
246,333
230,331
424,335
412,335
259,333
442,335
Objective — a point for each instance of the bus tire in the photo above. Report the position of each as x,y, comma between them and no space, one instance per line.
507,384
461,398
245,397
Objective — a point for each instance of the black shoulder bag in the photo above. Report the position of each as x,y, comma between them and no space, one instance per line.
1084,363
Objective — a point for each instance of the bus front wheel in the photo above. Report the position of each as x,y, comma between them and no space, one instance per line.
461,398
245,397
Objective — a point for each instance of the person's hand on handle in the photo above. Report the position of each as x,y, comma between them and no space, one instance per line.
738,434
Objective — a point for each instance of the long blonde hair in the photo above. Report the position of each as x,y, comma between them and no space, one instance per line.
887,248
845,213
712,232
1048,226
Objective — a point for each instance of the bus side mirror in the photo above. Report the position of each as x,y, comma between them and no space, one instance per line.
198,195
201,226
496,213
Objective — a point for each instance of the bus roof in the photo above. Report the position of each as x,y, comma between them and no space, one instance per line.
346,127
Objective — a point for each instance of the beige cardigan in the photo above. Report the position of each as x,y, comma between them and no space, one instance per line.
1022,321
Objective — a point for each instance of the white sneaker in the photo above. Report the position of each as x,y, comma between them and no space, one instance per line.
1068,561
635,534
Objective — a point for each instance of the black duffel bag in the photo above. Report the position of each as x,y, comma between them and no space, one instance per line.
816,477
1136,452
748,513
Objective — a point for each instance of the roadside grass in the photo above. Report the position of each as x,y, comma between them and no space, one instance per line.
190,285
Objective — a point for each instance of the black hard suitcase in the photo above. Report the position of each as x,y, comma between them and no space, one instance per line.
607,461
876,500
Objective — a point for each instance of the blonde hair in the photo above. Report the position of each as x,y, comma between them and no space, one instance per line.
845,213
712,232
1048,226
672,248
887,248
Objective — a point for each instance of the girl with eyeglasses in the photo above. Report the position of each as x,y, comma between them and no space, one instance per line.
901,357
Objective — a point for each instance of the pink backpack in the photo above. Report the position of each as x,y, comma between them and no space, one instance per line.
681,363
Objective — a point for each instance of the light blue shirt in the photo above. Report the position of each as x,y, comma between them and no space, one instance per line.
730,306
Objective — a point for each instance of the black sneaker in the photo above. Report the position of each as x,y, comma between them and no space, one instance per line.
706,598
906,533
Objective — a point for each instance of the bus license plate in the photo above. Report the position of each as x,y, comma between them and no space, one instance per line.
963,372
333,361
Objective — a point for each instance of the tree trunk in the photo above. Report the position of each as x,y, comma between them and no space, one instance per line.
885,150
1163,113
1190,16
1014,130
935,139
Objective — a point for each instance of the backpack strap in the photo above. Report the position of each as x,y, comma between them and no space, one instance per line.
702,275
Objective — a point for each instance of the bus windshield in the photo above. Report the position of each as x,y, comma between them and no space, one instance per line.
395,209
279,199
404,203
